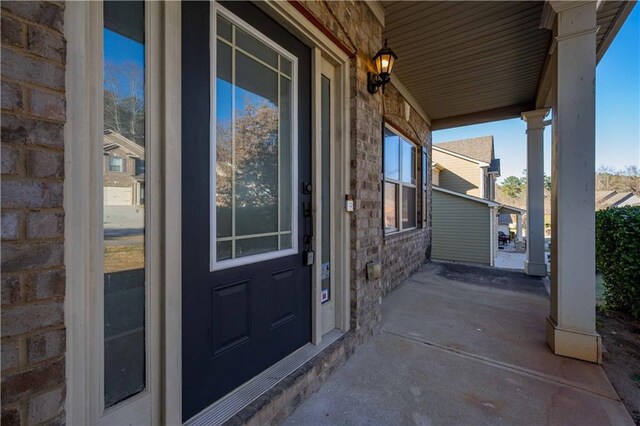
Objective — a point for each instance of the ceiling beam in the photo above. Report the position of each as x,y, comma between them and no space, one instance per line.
497,114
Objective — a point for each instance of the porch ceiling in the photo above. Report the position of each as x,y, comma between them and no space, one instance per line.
475,61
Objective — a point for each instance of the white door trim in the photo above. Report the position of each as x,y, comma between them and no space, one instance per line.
83,219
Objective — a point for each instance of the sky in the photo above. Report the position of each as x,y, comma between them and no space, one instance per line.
617,112
120,50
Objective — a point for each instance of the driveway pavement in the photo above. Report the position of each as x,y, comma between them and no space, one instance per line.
464,345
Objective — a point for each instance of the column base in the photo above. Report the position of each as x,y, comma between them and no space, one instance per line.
535,268
574,344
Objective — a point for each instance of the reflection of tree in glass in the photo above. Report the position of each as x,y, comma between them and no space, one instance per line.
256,157
124,100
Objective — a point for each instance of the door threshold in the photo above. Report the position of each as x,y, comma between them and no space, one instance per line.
232,403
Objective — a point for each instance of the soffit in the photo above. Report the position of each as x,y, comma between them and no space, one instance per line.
460,59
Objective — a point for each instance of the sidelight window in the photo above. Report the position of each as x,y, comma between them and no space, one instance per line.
253,151
125,369
400,204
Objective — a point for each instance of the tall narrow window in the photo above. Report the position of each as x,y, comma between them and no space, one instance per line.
124,217
400,204
424,170
325,88
254,149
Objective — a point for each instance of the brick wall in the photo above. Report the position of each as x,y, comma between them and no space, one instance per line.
33,275
404,252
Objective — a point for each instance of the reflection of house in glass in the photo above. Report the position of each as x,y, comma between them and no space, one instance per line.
123,170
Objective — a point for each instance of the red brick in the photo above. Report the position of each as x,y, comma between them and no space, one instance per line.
10,417
31,70
10,354
11,292
11,225
32,381
10,160
21,256
45,407
46,43
44,285
24,318
47,105
31,131
12,98
45,164
46,14
31,194
46,345
12,32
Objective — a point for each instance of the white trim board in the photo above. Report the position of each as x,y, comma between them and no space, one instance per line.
406,94
468,197
464,157
378,10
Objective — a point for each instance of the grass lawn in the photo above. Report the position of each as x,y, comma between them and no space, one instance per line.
123,258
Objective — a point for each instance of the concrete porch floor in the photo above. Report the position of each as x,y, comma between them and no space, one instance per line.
464,345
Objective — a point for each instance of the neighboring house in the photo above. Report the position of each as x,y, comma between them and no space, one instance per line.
469,166
464,227
606,199
464,174
504,223
123,164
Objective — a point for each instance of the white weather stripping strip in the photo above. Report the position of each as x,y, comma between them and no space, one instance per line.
231,404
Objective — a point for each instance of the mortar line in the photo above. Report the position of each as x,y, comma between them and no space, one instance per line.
505,366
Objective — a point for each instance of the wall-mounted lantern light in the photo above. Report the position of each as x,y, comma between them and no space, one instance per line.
384,60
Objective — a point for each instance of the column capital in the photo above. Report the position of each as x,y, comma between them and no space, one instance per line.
562,5
535,118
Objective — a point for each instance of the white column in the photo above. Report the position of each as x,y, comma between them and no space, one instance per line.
571,323
534,263
518,227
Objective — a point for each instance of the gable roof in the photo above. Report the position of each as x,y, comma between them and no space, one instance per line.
480,148
633,200
619,199
112,139
603,195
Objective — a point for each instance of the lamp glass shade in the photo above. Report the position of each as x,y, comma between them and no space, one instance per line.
384,60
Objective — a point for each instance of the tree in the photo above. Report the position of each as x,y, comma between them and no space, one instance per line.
605,176
631,179
124,100
512,186
547,182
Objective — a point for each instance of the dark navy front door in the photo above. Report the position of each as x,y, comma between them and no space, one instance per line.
245,158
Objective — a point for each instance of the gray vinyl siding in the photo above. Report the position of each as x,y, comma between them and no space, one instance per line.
460,229
460,175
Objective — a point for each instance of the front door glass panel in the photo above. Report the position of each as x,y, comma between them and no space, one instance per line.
123,150
254,177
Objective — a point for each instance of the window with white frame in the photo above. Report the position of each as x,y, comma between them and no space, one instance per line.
116,164
400,207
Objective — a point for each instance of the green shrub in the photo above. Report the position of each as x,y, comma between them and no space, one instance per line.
618,257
